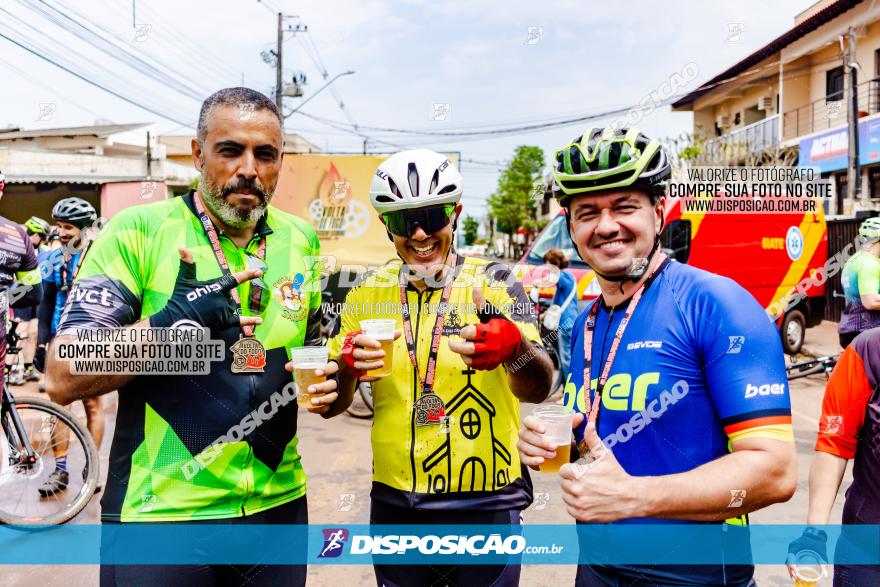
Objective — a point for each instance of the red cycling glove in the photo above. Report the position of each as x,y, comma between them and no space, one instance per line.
497,340
347,354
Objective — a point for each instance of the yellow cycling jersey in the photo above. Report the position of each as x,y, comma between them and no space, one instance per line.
469,461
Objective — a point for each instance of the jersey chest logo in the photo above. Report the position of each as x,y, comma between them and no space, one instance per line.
288,292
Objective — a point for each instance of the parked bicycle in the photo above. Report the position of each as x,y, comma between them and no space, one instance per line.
811,367
27,457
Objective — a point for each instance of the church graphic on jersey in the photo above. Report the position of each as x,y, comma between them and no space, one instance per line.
485,464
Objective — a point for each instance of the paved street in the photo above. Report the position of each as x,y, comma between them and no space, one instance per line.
336,454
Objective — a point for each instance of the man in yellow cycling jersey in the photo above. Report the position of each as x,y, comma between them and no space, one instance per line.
466,351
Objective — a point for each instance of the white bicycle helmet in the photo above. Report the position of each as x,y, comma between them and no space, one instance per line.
415,179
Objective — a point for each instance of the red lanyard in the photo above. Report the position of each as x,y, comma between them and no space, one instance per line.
592,407
428,381
214,239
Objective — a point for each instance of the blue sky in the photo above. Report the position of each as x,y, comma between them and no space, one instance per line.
407,55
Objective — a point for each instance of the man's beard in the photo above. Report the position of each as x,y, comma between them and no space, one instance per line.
231,216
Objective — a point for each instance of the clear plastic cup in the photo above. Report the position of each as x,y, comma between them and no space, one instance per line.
306,360
809,568
557,419
382,329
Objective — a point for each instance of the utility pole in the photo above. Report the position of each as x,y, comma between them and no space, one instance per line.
149,157
278,51
850,72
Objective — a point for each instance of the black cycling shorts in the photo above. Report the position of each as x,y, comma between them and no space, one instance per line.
446,575
294,512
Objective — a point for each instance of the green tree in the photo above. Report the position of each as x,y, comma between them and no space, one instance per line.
513,203
470,228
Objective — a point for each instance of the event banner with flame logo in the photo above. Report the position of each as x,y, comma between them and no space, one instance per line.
332,192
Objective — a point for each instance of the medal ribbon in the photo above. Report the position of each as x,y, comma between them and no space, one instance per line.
214,239
428,381
592,407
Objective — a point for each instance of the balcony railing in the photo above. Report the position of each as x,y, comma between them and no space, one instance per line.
732,148
830,112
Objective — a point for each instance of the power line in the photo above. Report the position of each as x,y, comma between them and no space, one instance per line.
117,51
308,43
178,43
363,135
69,59
91,82
37,81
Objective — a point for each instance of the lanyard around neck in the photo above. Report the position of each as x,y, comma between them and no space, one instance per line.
214,239
428,381
591,408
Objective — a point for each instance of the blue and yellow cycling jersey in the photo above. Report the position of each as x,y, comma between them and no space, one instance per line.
699,366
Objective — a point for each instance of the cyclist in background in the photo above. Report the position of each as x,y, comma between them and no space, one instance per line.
38,232
861,285
73,216
446,417
677,376
19,273
565,299
848,429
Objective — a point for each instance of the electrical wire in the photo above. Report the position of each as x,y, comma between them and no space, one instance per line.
177,42
70,60
92,82
117,51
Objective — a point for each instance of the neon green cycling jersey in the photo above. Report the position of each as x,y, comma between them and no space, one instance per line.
161,467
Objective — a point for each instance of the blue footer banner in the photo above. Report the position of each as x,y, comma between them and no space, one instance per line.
193,543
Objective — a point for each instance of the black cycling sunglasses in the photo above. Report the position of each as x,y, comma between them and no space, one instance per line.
404,222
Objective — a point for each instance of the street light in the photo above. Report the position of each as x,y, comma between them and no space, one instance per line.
304,102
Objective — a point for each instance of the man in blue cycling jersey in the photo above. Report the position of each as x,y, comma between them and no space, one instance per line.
687,417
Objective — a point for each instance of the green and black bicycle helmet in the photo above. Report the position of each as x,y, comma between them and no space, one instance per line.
870,228
36,225
608,158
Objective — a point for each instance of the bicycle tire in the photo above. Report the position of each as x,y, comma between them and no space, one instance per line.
364,409
804,370
91,462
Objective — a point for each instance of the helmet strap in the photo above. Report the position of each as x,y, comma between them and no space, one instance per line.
639,265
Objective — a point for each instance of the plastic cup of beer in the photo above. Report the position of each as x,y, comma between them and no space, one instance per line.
557,420
809,568
306,360
382,330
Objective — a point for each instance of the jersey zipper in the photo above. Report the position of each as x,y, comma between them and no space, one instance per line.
247,469
249,454
602,355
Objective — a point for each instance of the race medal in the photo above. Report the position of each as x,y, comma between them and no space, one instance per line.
248,355
429,409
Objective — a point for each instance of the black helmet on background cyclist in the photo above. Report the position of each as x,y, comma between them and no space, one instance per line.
75,211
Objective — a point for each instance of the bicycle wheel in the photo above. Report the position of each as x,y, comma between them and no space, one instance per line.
362,406
799,370
46,425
